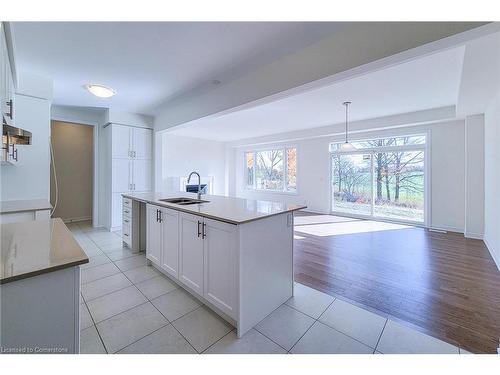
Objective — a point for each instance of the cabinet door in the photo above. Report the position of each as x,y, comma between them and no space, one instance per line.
121,175
141,175
170,241
142,140
191,252
116,210
153,235
220,245
121,138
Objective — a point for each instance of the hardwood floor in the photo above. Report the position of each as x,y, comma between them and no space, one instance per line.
439,283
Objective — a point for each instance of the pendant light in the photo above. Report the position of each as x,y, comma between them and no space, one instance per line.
346,146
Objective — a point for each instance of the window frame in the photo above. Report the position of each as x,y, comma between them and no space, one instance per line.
285,189
425,147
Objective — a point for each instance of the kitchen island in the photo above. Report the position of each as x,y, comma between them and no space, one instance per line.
39,288
235,255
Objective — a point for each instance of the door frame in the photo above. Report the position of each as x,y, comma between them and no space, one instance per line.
427,177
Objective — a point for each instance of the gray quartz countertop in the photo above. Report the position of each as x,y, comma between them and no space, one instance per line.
32,248
24,205
228,209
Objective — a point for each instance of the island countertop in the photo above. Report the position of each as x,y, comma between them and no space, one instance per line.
228,209
33,248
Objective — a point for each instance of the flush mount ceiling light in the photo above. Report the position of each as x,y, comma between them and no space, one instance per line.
100,90
346,146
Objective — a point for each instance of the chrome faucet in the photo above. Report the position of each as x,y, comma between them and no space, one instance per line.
199,183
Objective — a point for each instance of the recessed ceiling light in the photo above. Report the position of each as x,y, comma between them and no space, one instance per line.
100,90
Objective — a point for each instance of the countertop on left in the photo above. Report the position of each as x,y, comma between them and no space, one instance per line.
24,205
33,248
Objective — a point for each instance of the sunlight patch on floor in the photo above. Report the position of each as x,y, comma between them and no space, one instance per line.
349,227
321,219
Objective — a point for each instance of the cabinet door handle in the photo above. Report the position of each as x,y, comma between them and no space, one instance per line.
199,232
204,234
134,187
157,215
161,216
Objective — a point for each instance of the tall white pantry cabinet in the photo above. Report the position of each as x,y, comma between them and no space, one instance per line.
129,166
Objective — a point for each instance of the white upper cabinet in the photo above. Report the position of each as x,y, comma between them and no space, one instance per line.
131,142
122,141
131,165
141,143
141,175
7,89
121,171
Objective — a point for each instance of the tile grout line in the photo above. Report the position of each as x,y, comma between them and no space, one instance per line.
205,351
168,320
95,326
307,330
381,333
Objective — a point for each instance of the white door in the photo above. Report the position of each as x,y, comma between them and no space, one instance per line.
220,242
170,241
141,180
121,171
191,252
121,141
153,234
142,141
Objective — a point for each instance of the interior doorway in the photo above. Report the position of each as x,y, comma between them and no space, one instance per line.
71,186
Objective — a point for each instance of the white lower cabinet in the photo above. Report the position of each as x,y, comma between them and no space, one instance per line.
153,234
191,252
170,241
220,259
200,253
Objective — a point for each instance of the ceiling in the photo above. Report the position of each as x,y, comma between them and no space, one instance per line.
428,82
150,63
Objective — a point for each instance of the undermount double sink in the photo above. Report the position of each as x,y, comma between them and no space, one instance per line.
183,201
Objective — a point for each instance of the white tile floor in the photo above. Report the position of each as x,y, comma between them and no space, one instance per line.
129,307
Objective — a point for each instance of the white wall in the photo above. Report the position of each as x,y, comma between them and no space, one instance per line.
492,179
182,155
78,115
447,188
474,176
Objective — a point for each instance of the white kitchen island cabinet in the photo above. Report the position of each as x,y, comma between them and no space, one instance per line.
236,255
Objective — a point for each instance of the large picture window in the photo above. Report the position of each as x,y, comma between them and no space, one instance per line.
382,178
272,170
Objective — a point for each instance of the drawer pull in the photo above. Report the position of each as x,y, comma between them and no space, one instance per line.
126,211
125,234
126,220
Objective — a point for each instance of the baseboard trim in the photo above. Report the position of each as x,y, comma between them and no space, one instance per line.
492,253
447,229
476,236
77,219
312,211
